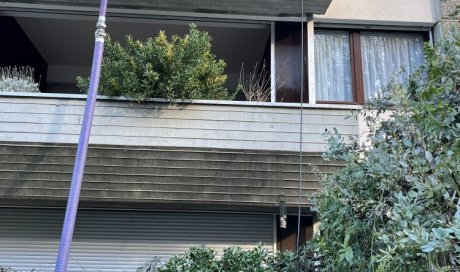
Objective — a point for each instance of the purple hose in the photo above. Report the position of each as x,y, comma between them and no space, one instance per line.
80,160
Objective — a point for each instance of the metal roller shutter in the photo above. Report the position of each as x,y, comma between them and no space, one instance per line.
121,240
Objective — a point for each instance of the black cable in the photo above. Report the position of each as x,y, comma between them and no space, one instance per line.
300,132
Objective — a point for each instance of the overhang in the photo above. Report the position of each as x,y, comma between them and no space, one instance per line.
264,8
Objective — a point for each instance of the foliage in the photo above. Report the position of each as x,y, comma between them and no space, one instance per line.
196,259
17,79
176,68
302,260
258,86
235,259
395,205
8,269
455,12
151,265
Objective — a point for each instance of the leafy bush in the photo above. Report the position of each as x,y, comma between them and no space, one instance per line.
395,205
196,259
180,68
235,259
151,265
17,79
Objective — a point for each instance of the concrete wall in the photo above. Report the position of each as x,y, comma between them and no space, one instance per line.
156,155
228,125
39,174
378,12
448,17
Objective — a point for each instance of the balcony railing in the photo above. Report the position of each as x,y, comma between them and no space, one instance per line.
188,155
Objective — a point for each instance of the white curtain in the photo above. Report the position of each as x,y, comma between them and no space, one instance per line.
333,66
388,55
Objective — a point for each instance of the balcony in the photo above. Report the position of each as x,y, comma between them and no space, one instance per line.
190,155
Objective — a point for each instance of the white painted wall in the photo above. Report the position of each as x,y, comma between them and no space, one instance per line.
382,12
363,128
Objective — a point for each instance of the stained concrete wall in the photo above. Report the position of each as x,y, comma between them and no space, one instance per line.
218,156
39,174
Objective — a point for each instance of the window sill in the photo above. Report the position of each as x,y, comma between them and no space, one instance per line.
183,101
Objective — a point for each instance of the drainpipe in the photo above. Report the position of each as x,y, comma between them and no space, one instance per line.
80,160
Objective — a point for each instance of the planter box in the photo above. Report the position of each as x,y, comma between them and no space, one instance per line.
202,124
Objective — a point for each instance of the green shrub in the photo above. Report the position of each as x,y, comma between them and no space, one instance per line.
196,259
235,259
176,68
395,205
151,265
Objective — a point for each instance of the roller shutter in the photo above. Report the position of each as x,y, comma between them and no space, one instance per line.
121,240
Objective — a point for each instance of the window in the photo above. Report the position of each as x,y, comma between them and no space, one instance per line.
353,66
383,56
333,66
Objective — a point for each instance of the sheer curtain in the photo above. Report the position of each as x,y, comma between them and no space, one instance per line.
333,66
384,55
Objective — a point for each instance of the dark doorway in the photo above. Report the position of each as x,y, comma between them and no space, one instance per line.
287,238
16,49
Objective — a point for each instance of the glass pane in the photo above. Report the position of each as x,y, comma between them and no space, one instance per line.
333,66
388,55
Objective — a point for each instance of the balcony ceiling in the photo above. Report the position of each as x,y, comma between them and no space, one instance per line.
272,8
69,42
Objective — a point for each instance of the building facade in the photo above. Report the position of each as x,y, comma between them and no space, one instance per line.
162,177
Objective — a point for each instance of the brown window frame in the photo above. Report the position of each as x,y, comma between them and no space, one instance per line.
357,81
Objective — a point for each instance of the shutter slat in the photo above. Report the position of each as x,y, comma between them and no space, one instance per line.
121,240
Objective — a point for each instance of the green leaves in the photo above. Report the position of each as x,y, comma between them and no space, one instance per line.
395,204
346,252
235,259
176,68
428,247
196,259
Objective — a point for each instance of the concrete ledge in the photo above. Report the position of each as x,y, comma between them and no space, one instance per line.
199,102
